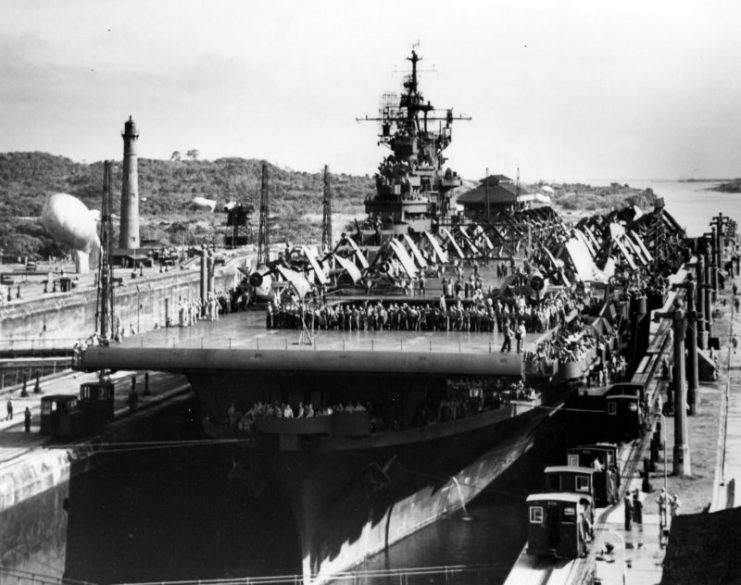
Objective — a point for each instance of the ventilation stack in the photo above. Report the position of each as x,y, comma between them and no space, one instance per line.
129,234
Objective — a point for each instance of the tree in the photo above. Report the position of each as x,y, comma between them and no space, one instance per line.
175,156
192,154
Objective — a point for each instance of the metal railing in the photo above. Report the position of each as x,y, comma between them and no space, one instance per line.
459,343
450,575
19,577
38,344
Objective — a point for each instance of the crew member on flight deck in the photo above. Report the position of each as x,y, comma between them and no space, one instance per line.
507,345
520,336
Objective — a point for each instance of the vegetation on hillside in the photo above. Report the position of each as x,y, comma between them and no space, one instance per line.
167,189
578,196
732,186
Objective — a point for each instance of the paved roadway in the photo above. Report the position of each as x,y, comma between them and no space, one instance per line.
728,472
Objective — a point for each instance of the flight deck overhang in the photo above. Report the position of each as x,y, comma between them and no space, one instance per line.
401,363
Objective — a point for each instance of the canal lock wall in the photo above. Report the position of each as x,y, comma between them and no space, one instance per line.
35,489
60,319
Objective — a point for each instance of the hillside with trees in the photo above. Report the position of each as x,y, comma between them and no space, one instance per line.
732,186
167,189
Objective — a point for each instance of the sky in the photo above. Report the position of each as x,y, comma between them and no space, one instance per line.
561,90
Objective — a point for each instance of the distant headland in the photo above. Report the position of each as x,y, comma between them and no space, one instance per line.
728,186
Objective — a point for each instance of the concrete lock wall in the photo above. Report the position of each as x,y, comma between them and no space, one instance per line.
140,304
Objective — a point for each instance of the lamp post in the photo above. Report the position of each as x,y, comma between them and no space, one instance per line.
663,440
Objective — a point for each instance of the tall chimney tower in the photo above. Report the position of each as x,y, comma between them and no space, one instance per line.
129,234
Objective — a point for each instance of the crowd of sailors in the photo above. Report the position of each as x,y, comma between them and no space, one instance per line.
191,310
463,398
502,314
580,343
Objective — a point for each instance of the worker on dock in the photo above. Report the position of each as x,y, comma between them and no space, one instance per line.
637,508
628,511
674,505
9,410
662,501
27,421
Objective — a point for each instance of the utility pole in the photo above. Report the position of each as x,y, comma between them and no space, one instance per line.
708,298
105,276
693,378
682,465
263,239
327,217
486,191
700,300
716,264
203,288
681,448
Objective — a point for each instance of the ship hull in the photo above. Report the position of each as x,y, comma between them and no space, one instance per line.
353,497
352,505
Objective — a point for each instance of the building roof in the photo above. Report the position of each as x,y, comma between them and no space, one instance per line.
703,549
558,497
498,193
569,469
495,179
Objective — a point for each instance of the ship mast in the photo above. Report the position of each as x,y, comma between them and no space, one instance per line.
412,189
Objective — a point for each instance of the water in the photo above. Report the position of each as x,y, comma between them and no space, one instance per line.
693,205
493,536
172,515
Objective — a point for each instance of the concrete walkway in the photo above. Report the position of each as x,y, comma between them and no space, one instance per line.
640,550
728,473
637,554
14,441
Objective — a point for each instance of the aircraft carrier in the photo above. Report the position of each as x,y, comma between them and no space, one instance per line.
389,376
